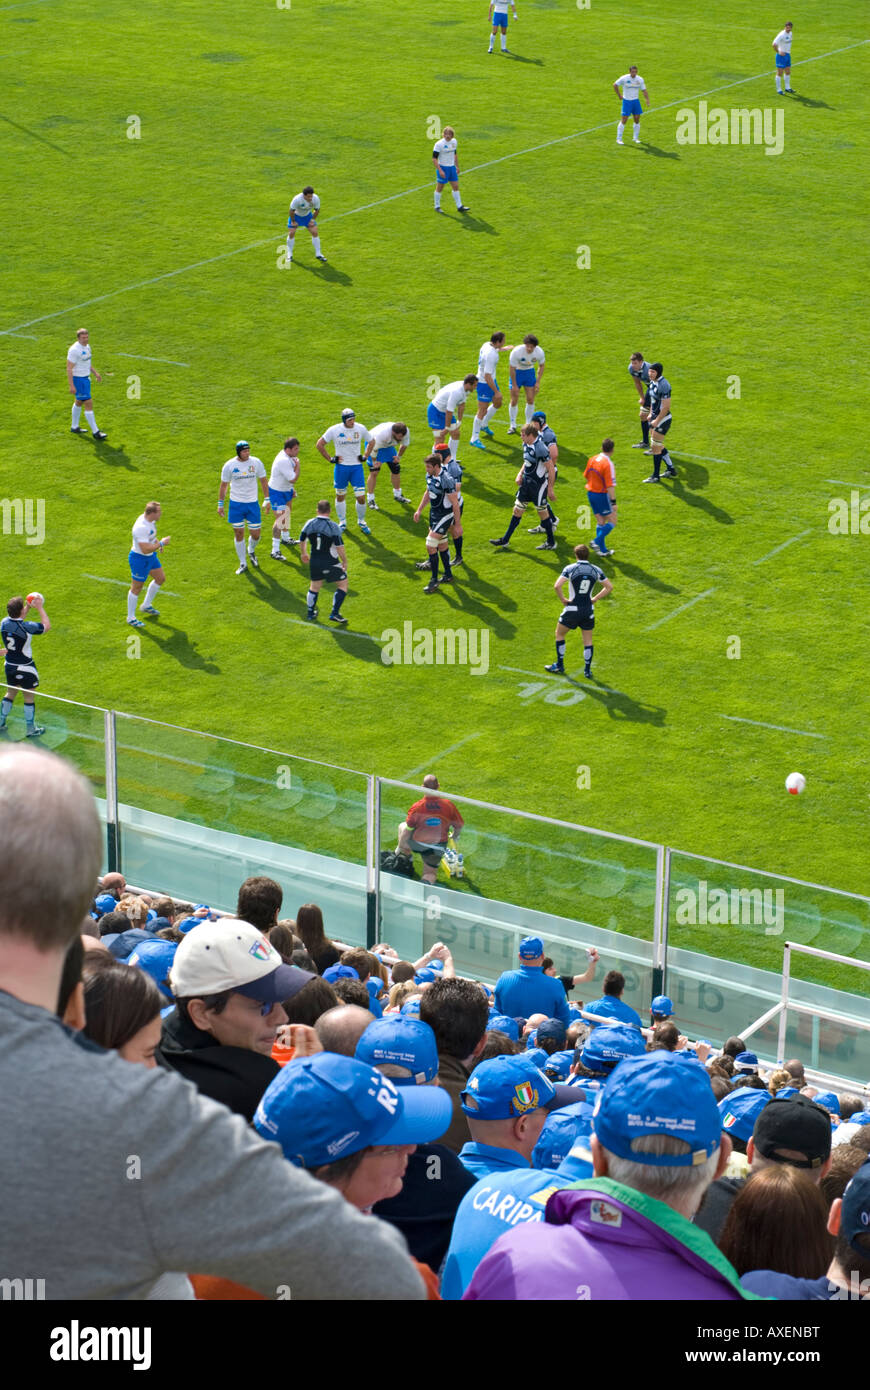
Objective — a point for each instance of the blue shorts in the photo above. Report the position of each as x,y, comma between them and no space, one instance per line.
450,175
783,60
499,21
241,512
82,387
349,473
484,392
631,108
525,376
142,565
600,503
281,499
303,219
387,454
436,419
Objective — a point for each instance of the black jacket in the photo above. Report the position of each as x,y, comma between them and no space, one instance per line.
435,1183
235,1076
718,1200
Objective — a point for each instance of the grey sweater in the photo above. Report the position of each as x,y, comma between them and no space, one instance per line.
112,1174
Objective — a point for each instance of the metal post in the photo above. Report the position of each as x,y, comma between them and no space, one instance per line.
373,840
113,833
660,938
783,1017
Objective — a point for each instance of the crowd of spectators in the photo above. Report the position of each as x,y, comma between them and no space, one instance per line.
374,1127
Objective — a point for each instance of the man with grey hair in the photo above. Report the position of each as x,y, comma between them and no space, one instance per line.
110,1230
627,1231
340,1029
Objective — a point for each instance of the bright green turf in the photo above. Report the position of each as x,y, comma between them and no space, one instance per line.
718,261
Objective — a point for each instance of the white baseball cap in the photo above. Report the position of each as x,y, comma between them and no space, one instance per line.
233,955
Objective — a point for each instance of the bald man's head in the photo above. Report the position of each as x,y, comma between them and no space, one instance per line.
340,1029
52,847
430,782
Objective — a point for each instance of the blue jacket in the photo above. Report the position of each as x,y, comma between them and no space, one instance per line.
612,1007
521,993
496,1204
483,1159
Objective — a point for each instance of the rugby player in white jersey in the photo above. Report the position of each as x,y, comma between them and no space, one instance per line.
526,364
145,563
243,475
78,375
498,13
446,409
488,394
387,444
303,213
346,442
447,168
629,88
282,490
782,49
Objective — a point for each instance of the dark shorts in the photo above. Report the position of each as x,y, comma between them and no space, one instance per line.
432,854
578,617
440,522
646,398
533,494
21,677
330,574
663,427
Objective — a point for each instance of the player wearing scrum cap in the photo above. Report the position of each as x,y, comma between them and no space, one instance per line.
242,475
347,440
387,444
21,674
303,213
447,168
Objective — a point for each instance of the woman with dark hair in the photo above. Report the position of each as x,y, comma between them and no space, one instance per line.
284,941
309,927
778,1221
122,1012
313,999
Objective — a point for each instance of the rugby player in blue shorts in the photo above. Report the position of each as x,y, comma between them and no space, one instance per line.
303,213
282,490
78,374
242,475
629,88
488,394
145,563
445,411
21,674
782,49
386,445
447,168
498,13
347,440
574,587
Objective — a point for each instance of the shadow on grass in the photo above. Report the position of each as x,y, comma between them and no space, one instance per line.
701,503
114,454
651,581
622,707
324,271
654,149
177,645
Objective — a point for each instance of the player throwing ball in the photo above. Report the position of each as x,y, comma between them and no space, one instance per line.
16,633
303,213
347,440
328,561
629,88
537,481
574,587
444,516
145,563
242,475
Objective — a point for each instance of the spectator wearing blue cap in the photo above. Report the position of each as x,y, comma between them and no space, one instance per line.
602,1052
558,1065
627,1232
506,1103
404,1049
848,1275
661,1009
155,957
611,1004
527,990
103,903
500,1023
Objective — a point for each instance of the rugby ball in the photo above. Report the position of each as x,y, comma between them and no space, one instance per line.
795,783
35,598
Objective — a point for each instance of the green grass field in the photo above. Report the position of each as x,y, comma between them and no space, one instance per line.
723,262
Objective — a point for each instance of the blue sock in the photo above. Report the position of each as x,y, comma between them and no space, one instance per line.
311,600
338,599
598,531
605,532
5,709
30,715
512,526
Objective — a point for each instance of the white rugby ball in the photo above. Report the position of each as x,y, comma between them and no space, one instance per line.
35,598
795,783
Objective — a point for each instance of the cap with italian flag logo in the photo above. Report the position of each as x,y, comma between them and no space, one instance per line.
233,955
506,1087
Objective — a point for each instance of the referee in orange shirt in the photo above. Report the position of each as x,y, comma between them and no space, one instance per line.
601,490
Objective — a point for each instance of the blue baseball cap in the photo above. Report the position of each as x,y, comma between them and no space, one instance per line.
411,1008
537,1055
322,1108
558,1065
658,1094
560,1133
506,1087
855,1211
400,1042
606,1046
786,1092
531,947
104,903
829,1100
746,1062
188,923
504,1024
375,986
553,1029
425,976
741,1109
155,957
436,965
861,1117
662,1005
340,972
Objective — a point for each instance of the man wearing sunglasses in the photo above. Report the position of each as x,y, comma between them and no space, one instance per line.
229,985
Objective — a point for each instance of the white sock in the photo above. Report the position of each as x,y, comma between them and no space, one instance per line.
475,428
454,447
512,412
619,131
788,84
456,198
503,42
778,83
290,248
153,590
132,600
529,412
285,535
76,415
240,550
636,135
437,198
276,545
490,42
89,416
341,510
252,544
360,510
397,492
315,241
488,416
370,497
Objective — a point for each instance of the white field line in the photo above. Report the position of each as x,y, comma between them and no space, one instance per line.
705,458
322,390
790,541
780,728
437,757
139,357
419,188
681,609
98,579
859,487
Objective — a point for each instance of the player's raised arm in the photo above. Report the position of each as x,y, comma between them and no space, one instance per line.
43,616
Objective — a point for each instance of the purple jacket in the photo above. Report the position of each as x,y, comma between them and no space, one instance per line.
601,1240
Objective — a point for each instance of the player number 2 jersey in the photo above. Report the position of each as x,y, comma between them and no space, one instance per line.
16,636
